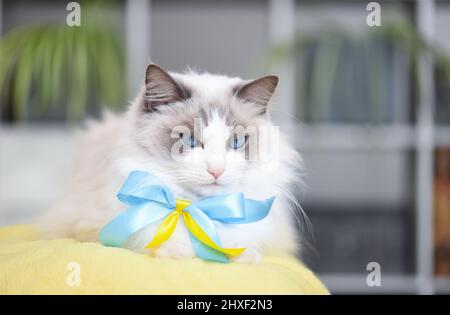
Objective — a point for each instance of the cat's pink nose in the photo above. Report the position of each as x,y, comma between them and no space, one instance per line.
216,172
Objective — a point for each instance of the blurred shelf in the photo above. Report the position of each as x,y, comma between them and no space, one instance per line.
442,136
442,285
392,283
356,283
359,137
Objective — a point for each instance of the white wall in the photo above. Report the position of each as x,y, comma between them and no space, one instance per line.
34,165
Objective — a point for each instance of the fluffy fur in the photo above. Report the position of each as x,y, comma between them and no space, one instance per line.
146,138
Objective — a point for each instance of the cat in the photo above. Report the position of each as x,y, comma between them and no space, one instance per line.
211,157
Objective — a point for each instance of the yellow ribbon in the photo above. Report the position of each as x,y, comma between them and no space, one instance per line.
167,227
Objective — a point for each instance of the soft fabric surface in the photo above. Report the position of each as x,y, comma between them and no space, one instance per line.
30,266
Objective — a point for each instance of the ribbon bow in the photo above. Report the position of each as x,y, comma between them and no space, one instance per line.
149,202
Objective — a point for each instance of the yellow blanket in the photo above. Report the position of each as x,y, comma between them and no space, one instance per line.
30,266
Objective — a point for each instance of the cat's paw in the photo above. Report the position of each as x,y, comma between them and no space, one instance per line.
174,250
249,256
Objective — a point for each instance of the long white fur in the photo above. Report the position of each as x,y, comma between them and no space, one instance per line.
109,152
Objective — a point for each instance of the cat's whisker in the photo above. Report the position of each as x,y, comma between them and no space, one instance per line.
179,177
298,212
188,178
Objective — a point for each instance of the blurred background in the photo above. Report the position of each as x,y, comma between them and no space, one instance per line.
368,107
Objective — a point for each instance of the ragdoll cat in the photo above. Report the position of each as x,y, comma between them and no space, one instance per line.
195,132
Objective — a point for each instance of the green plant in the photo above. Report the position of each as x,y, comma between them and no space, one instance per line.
329,44
50,68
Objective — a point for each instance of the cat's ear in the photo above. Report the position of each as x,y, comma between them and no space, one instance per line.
161,88
258,91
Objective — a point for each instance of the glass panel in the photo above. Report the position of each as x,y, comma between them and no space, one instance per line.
442,90
349,72
348,238
361,205
359,86
442,74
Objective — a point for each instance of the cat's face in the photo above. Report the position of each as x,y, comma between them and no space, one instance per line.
203,130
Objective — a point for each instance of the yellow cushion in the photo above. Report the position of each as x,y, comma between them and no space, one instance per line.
31,266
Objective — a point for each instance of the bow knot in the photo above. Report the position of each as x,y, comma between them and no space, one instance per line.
181,205
149,201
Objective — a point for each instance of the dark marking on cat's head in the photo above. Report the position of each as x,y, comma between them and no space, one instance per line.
175,101
161,89
258,91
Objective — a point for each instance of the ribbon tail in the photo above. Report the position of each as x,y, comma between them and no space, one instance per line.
165,230
203,237
207,253
118,230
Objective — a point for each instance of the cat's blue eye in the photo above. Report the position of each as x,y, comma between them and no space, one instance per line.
238,142
188,141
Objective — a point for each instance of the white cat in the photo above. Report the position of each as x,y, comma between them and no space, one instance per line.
212,157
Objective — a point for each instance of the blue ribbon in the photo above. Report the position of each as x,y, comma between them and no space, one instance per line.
149,201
